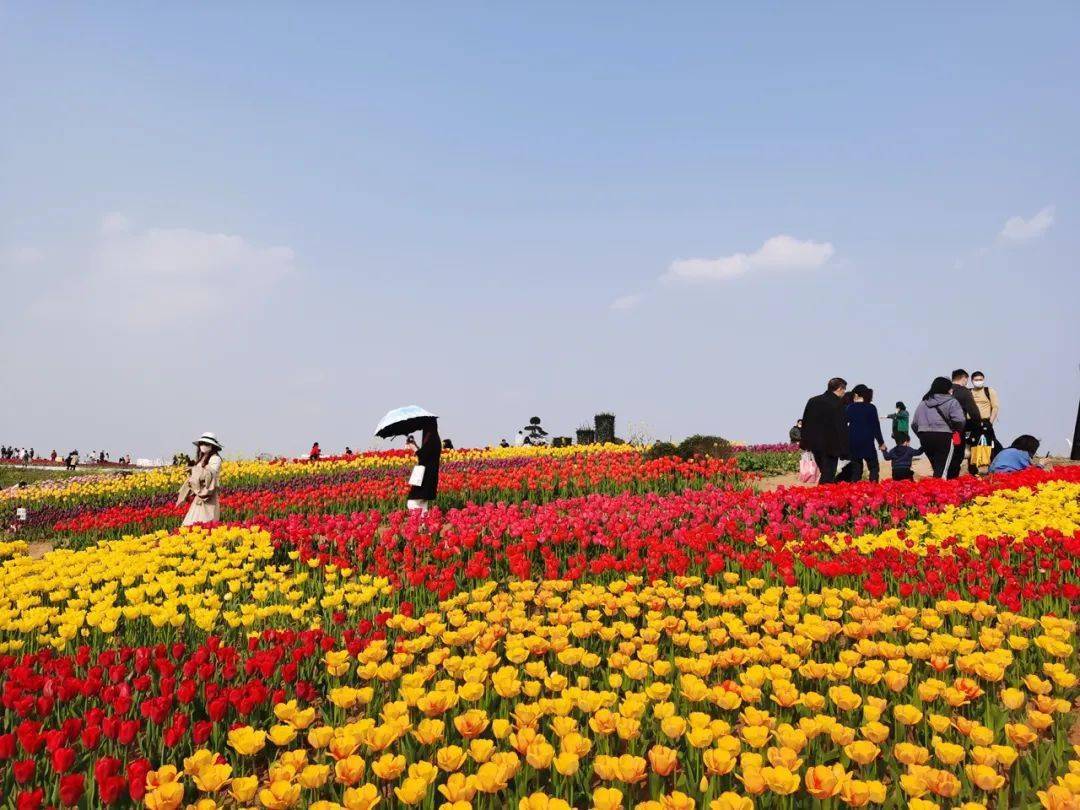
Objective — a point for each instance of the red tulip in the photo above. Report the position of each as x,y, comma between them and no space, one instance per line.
71,789
23,770
63,759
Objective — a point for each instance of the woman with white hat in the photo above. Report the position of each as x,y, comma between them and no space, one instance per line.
202,483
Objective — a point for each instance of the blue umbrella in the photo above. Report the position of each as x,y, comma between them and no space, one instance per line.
401,421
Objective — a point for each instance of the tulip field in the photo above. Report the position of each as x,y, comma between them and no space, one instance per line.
572,627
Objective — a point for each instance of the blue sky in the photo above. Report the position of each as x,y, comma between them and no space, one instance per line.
276,221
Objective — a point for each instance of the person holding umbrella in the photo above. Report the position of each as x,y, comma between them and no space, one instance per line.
424,479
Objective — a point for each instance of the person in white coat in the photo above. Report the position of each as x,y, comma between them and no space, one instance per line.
201,485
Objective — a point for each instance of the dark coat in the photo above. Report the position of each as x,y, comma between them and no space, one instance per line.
824,426
428,454
864,430
963,395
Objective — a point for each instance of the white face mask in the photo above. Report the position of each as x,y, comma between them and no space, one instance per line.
978,383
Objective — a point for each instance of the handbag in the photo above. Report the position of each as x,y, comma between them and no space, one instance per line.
416,479
808,468
980,453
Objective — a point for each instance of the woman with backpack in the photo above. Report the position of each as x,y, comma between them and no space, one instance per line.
939,423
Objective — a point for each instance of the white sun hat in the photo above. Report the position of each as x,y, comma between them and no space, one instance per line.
208,438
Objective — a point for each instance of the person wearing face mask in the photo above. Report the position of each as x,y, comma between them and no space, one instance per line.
986,401
963,395
201,486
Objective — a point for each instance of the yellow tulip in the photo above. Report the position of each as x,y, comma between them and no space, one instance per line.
731,801
541,801
388,766
1020,735
279,796
862,752
566,763
1057,797
780,780
911,754
491,777
314,776
212,778
907,714
663,760
412,790
167,796
364,797
753,780
673,726
824,782
349,771
450,758
458,788
718,761
984,777
198,761
481,750
948,753
676,801
631,769
320,737
246,741
540,754
162,776
283,734
607,799
424,770
471,724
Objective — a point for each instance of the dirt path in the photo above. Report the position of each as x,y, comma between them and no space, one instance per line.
921,467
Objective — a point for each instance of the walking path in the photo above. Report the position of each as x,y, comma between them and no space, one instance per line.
921,466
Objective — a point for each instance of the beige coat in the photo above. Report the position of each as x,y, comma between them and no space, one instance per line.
202,487
986,400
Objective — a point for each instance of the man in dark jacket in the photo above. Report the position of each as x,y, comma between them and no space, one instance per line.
962,394
824,428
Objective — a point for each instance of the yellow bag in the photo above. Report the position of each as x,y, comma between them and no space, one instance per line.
980,455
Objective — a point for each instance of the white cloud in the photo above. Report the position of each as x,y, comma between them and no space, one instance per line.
157,276
781,252
625,303
1018,229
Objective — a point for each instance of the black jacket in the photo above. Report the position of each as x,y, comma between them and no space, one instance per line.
962,394
824,426
428,455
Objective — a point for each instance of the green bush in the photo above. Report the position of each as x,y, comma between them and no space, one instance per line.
707,446
661,449
693,447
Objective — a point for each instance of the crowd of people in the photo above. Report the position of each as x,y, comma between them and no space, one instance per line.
27,455
954,421
11,453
